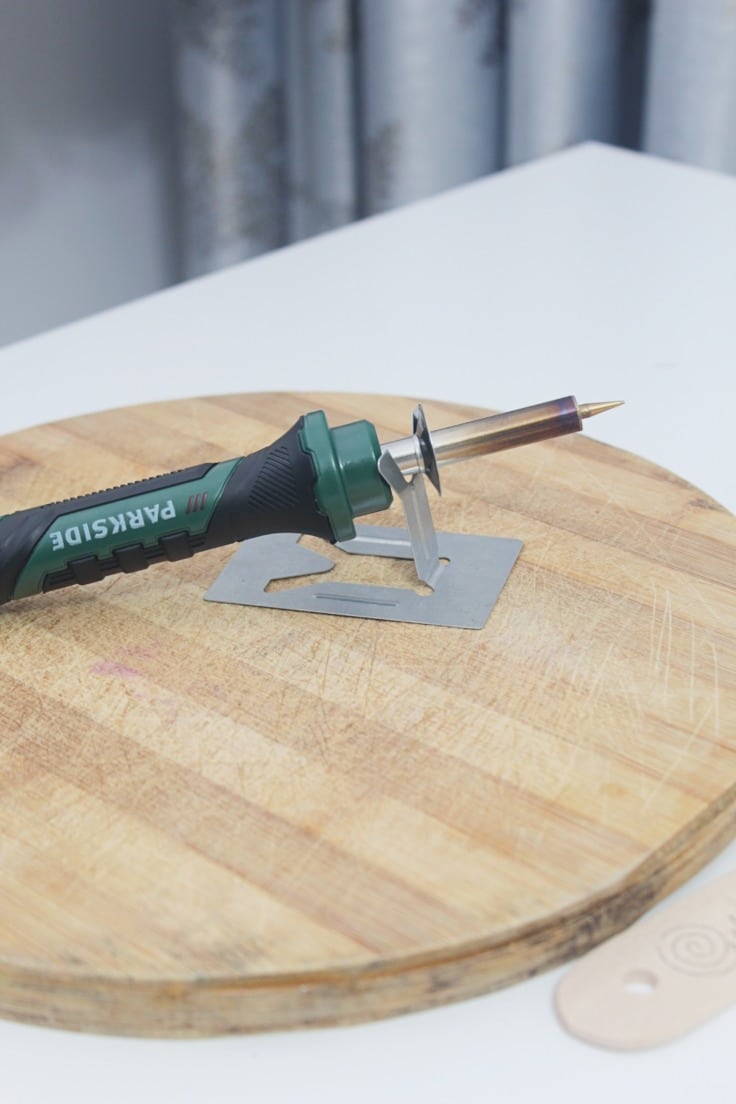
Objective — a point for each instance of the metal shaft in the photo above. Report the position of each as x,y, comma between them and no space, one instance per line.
496,433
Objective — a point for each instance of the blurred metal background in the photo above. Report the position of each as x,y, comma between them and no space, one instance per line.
162,139
300,115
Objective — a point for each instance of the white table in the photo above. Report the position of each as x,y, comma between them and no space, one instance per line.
597,272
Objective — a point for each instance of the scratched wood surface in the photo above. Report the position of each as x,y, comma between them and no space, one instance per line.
219,819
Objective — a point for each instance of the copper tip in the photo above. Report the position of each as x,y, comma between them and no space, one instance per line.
589,410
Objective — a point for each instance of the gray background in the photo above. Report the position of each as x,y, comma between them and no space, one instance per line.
148,141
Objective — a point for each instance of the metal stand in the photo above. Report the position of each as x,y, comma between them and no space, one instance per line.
465,588
465,573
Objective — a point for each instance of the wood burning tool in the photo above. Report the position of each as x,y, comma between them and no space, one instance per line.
313,480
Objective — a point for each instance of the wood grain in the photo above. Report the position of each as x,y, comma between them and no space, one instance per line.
218,819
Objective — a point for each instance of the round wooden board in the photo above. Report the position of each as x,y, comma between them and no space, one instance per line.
216,818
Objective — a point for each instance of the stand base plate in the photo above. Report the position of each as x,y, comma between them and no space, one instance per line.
464,595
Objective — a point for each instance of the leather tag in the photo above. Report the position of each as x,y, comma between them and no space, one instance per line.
664,976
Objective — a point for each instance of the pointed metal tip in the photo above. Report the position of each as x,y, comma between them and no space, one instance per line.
589,410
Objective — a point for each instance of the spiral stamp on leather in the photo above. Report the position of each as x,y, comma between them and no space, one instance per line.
699,949
665,975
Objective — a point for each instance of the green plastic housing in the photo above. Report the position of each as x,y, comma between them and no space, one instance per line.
348,481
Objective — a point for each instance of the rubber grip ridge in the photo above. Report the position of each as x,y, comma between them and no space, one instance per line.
270,491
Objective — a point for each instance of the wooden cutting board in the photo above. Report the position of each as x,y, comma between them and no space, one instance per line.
215,818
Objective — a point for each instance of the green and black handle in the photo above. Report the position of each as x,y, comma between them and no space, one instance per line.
312,480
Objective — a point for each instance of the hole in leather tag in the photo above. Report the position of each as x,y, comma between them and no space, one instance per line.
642,982
667,974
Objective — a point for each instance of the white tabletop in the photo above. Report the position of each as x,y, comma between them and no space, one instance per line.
595,272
